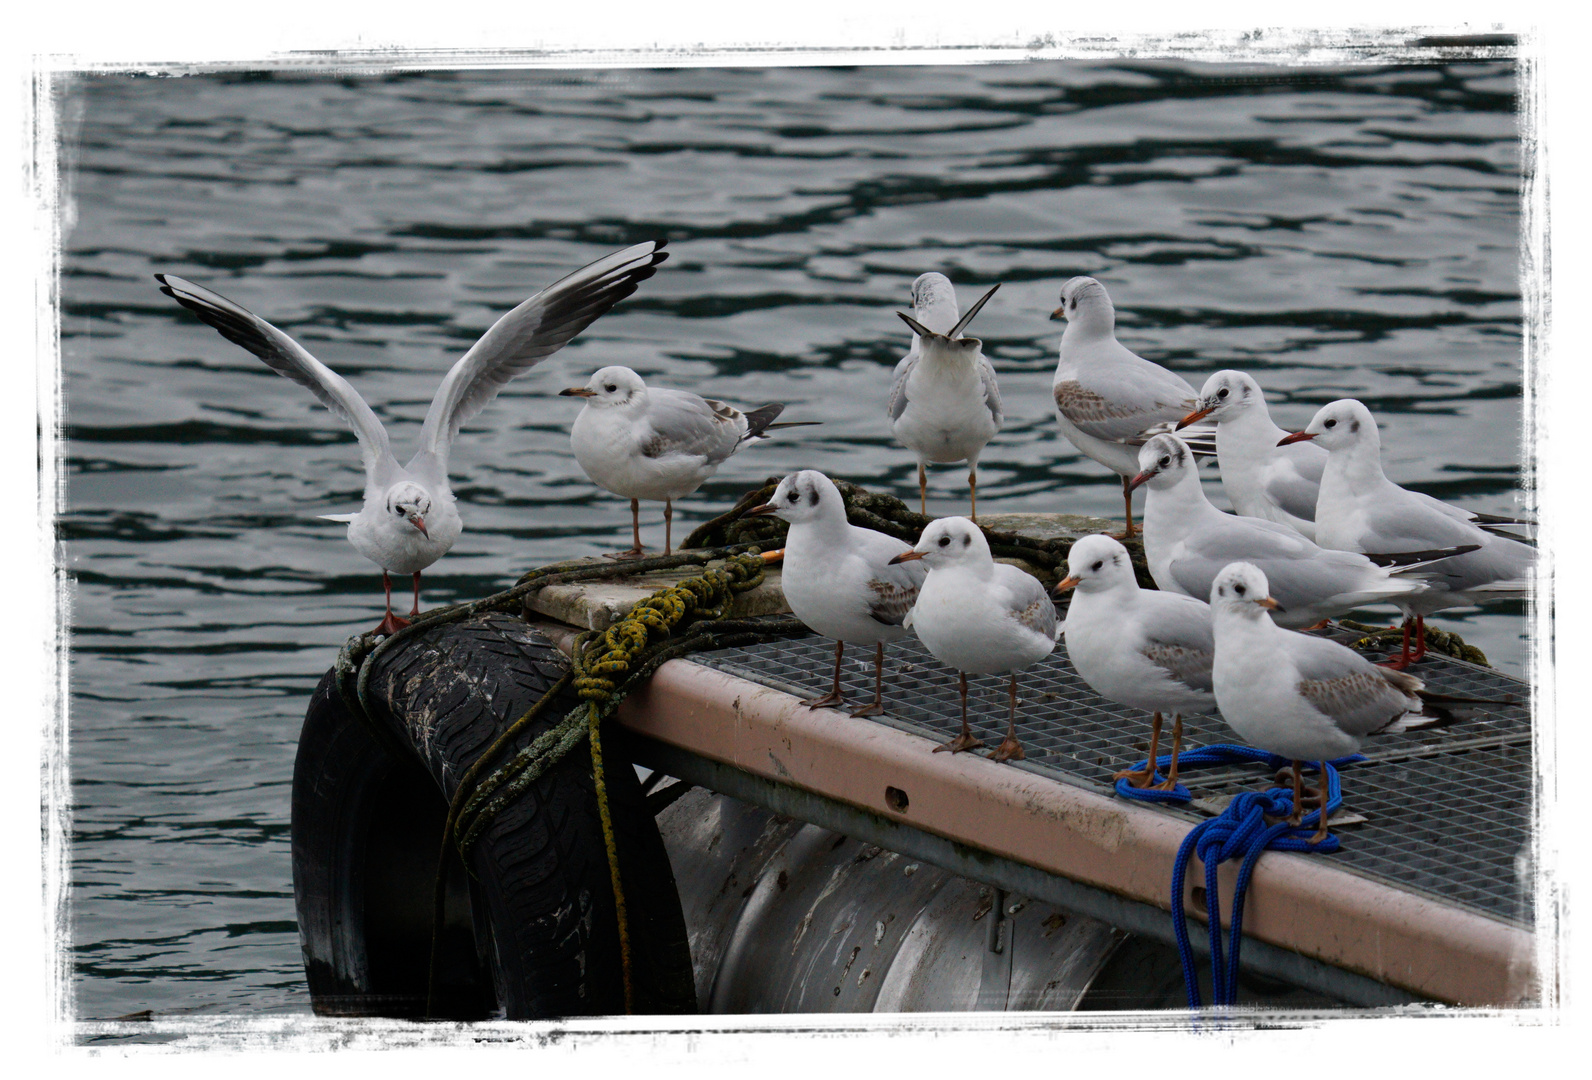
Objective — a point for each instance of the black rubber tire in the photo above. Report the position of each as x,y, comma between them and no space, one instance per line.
531,931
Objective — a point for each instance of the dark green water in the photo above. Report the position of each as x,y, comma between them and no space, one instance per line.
1333,231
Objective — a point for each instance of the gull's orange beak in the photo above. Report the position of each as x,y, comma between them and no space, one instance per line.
1066,584
577,391
1269,604
906,556
760,511
1143,477
773,556
1194,417
1298,436
1059,315
418,522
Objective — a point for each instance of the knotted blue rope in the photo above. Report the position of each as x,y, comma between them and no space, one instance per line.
1240,831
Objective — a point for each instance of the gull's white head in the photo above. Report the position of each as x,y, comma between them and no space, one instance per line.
808,495
1085,305
1164,462
1241,589
948,542
934,302
1343,424
610,386
1224,396
1097,563
409,503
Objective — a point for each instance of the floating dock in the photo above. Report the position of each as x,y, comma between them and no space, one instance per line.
1428,900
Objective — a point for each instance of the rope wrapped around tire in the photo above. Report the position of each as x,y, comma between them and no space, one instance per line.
530,931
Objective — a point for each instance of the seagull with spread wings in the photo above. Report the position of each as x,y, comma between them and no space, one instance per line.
409,519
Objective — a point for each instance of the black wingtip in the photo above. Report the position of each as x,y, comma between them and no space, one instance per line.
1409,558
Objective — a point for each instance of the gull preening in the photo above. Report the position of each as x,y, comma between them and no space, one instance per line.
1187,542
1109,399
1262,477
840,579
1360,509
1143,648
978,616
409,519
1301,697
944,404
651,442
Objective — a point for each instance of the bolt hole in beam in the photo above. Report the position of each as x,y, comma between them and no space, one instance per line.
1198,896
896,799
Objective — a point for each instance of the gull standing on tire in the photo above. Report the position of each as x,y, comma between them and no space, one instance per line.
1187,542
1301,697
944,404
409,519
642,442
1360,509
1144,648
1109,399
1262,478
978,616
841,579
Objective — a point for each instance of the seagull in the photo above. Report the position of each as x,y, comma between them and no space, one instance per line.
1262,478
978,616
642,442
840,578
1301,697
1108,399
409,519
1145,648
944,404
1360,509
1187,541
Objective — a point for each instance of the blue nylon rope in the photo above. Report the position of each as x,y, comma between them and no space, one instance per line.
1240,831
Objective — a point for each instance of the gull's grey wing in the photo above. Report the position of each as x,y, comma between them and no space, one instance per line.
1119,402
288,358
898,388
1178,638
683,423
992,392
529,334
1293,481
1299,572
1408,520
892,590
1031,605
1360,697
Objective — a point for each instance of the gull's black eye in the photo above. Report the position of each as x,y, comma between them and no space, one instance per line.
610,388
944,540
1222,392
1330,423
1165,461
1239,589
1098,564
398,510
794,496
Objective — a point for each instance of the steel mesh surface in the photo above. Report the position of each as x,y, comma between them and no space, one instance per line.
1447,810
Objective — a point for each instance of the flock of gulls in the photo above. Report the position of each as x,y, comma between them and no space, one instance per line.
1317,529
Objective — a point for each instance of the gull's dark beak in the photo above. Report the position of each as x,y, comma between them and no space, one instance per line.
760,511
1271,605
1194,417
1066,584
577,391
418,522
1298,436
1143,477
1059,315
906,556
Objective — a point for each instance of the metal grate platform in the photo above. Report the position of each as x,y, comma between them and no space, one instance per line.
1447,810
